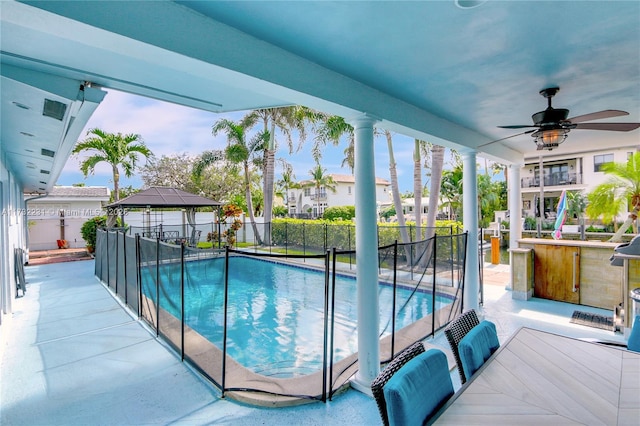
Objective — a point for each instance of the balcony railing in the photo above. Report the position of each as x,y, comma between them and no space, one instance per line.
554,179
319,196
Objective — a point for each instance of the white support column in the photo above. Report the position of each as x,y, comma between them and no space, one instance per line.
366,255
515,206
470,223
515,212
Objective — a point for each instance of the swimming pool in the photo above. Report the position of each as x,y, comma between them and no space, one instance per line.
276,311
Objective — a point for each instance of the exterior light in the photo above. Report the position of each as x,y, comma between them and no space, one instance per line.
550,138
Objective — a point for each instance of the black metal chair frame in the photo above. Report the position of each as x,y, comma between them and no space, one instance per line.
455,331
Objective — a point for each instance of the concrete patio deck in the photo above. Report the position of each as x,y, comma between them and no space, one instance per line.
72,355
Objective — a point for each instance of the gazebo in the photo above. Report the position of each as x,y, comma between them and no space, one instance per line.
159,198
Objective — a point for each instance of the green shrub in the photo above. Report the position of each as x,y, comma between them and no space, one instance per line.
89,228
339,213
279,211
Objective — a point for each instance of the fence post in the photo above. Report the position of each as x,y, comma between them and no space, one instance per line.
124,261
157,286
326,230
433,292
464,269
138,275
393,307
224,320
326,324
333,310
182,300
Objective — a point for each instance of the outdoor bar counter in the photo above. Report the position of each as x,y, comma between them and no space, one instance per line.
577,272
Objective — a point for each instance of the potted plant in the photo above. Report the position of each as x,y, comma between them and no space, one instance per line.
88,231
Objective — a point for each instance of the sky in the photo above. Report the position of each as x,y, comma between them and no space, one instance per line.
170,129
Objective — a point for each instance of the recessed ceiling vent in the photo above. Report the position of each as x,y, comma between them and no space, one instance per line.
54,109
48,152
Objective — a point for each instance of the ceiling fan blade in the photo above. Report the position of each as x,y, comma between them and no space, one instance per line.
616,127
607,113
508,137
523,126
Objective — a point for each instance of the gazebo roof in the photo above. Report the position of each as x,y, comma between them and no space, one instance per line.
164,197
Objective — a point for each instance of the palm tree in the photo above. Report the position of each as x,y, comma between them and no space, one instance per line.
451,189
287,182
116,149
330,128
239,151
320,179
621,190
487,198
284,119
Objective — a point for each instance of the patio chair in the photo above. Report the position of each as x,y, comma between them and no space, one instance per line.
477,346
455,331
386,374
411,394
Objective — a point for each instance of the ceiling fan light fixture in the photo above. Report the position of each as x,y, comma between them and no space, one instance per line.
550,138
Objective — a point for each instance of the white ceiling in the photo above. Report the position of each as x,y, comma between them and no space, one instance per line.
432,70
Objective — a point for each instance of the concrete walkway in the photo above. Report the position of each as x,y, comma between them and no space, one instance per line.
71,355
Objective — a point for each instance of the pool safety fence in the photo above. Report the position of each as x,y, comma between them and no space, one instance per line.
283,236
213,306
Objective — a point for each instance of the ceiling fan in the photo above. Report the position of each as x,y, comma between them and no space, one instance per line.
551,126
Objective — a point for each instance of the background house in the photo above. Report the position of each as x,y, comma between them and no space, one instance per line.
578,171
60,215
305,202
408,206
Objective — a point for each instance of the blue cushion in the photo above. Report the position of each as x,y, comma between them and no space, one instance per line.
418,389
633,344
477,346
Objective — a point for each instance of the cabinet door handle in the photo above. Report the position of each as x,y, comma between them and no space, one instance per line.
575,268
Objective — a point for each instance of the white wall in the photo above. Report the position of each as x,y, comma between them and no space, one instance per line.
12,234
44,221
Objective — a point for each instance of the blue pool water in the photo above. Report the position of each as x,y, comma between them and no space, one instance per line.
276,311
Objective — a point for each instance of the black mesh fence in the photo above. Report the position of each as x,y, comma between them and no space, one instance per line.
112,258
284,324
131,273
121,271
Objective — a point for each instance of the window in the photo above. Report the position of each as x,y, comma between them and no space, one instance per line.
348,190
600,160
307,192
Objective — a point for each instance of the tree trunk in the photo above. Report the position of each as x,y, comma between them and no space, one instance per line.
437,163
617,237
112,219
397,202
417,189
116,183
268,183
247,193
